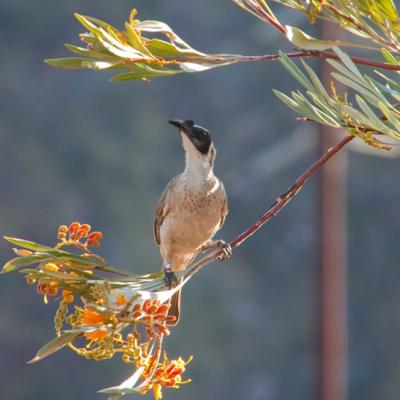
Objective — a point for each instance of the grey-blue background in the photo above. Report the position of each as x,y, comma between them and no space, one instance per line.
75,147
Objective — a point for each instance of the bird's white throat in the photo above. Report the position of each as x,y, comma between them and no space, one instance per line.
197,166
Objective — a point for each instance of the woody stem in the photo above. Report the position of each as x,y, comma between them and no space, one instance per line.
281,202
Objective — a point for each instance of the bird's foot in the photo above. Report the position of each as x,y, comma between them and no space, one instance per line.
226,250
170,278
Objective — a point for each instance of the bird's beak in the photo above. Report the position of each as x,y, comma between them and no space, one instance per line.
184,125
179,123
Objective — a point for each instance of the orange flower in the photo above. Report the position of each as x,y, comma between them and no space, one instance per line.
91,317
167,374
97,336
157,391
121,300
68,296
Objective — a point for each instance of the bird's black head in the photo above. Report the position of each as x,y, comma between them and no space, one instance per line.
199,136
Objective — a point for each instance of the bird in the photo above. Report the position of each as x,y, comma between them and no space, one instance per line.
191,210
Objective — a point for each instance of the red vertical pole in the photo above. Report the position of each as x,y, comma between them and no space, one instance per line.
333,260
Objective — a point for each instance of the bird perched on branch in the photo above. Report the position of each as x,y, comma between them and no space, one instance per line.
192,208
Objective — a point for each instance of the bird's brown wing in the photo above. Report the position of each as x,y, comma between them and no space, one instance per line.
161,211
224,210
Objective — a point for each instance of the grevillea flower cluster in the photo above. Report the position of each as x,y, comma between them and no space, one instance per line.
102,312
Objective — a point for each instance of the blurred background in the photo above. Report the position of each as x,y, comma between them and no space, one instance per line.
75,147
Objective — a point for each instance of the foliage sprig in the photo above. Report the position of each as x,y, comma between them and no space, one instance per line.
102,311
136,51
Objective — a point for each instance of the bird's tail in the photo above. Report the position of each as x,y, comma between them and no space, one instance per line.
175,307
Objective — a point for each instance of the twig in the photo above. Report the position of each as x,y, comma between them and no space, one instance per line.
362,27
255,9
320,54
281,202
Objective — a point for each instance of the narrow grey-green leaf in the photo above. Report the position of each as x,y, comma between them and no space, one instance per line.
367,110
392,117
135,41
347,62
67,63
90,26
53,346
90,53
365,92
316,82
294,70
389,57
286,99
346,72
304,41
21,262
28,244
76,258
126,387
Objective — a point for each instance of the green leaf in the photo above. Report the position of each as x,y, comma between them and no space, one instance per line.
53,346
357,116
100,65
67,63
375,122
393,118
62,276
135,40
365,92
388,89
28,245
202,66
346,60
126,387
389,57
141,71
388,80
21,262
317,83
76,258
347,73
286,99
90,53
85,21
294,70
95,21
126,52
304,41
327,109
161,27
388,9
373,87
163,49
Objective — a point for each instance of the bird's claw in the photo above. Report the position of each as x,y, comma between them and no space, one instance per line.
170,278
226,250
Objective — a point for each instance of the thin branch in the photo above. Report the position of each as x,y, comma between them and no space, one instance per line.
320,54
254,8
281,202
363,28
358,60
